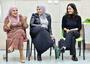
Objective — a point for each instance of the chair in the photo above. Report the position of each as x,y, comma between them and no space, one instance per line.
80,40
27,52
35,51
27,49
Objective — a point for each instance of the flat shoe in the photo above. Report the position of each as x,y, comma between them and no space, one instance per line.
22,61
9,51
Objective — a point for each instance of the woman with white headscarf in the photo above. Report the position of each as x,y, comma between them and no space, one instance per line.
40,31
15,26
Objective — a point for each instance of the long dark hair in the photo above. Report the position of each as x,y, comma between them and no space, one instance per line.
74,8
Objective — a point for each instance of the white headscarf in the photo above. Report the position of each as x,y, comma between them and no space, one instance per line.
42,7
43,18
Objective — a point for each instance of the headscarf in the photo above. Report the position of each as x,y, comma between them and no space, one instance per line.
42,7
14,20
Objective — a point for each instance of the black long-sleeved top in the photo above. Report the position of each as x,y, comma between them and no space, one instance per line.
71,22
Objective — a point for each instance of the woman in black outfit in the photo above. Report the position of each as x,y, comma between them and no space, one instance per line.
71,26
40,31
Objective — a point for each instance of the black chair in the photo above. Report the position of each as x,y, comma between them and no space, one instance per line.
27,52
35,51
81,41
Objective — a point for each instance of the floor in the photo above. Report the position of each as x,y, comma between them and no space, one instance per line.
14,58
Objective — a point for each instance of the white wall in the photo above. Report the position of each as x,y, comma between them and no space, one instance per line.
57,10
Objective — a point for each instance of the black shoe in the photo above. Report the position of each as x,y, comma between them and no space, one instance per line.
62,50
39,58
74,58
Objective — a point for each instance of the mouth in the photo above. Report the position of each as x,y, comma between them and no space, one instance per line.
15,13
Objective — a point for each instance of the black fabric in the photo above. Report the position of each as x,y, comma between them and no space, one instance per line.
34,31
71,22
42,40
40,36
61,43
70,41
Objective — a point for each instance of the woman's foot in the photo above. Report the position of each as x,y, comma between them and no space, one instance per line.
22,59
39,58
74,58
63,49
10,50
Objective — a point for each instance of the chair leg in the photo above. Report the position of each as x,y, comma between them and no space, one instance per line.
84,49
83,41
6,51
34,54
62,56
31,49
79,46
55,54
50,51
28,51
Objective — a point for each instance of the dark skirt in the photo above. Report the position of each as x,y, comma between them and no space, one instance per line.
41,39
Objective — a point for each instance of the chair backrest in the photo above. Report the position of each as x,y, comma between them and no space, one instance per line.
83,32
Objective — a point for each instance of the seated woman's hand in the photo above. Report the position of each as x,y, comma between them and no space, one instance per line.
9,24
68,30
74,29
24,17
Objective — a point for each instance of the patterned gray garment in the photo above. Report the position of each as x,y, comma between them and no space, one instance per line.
44,21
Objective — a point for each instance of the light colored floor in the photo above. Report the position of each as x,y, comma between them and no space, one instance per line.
14,58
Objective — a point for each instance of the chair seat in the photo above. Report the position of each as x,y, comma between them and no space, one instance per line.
78,39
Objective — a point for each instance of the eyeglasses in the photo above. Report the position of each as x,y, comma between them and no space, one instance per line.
14,10
38,9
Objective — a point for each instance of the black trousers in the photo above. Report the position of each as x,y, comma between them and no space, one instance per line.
41,39
70,41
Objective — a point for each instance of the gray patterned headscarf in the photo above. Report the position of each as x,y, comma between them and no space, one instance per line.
43,16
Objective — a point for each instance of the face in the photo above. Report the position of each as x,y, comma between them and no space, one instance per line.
40,11
14,12
70,10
